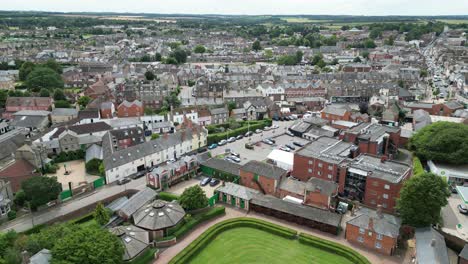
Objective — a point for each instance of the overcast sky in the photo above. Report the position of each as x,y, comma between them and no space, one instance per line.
249,7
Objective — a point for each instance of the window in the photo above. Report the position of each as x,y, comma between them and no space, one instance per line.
378,245
369,233
360,239
384,205
309,170
362,230
385,196
387,187
375,183
320,165
330,167
319,173
329,176
379,236
311,162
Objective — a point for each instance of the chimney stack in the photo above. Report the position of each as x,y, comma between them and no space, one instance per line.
379,211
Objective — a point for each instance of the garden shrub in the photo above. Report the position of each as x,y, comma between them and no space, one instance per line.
168,196
11,215
417,166
92,166
144,258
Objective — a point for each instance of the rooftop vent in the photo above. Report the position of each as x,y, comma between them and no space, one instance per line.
132,233
127,239
161,214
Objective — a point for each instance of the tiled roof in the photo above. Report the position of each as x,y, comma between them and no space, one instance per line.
264,169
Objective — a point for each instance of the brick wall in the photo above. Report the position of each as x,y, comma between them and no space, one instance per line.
268,184
369,240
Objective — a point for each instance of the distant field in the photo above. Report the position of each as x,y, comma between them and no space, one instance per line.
454,21
302,20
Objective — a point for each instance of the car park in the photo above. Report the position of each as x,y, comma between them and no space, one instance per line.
214,182
213,146
205,181
290,146
123,181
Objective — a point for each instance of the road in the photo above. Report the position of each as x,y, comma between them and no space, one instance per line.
26,222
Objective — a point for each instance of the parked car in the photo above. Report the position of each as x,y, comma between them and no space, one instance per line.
139,174
283,148
299,144
205,181
462,209
272,140
203,149
290,147
275,126
266,141
235,159
239,137
213,146
231,139
266,128
222,142
258,131
228,158
249,146
289,133
235,154
123,181
249,133
171,160
214,182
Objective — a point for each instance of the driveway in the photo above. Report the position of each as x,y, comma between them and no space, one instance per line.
180,187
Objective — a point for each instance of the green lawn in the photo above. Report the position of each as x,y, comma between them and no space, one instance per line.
249,245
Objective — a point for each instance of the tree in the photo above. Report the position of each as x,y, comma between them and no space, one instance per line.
231,105
89,244
25,69
363,107
149,75
154,136
3,98
317,58
390,41
40,190
158,56
170,60
357,60
20,198
442,141
59,95
421,199
83,101
101,215
369,44
62,104
52,64
42,77
345,27
179,55
299,55
44,93
268,53
256,45
199,49
365,55
193,198
423,73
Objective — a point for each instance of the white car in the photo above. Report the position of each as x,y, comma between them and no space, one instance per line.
275,126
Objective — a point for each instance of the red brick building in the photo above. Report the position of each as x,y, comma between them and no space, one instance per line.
374,230
130,109
97,89
18,172
332,113
374,139
107,110
15,104
315,192
356,67
261,176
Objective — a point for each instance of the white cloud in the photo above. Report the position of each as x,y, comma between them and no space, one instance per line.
252,7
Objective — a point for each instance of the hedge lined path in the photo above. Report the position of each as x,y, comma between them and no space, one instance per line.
374,258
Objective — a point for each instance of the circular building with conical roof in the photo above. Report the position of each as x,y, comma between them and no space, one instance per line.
158,216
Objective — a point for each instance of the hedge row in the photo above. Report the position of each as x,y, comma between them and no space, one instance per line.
146,257
180,231
70,155
207,237
215,138
417,166
168,196
333,247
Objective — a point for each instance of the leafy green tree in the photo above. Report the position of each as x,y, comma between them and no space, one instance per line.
369,44
193,198
62,104
102,170
357,59
40,190
42,77
47,237
158,57
421,199
390,41
199,49
83,101
149,75
7,240
101,214
25,69
3,98
44,93
20,198
317,58
154,136
179,55
170,60
299,55
256,45
59,95
423,73
231,105
52,64
12,256
441,141
268,53
365,55
89,244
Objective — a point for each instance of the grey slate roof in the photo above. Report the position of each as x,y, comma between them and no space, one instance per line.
238,191
222,165
138,200
134,239
93,152
84,129
327,149
427,253
464,253
387,225
264,169
42,257
293,186
390,171
218,111
307,212
64,112
159,215
325,187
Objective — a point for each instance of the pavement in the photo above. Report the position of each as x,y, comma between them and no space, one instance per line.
452,217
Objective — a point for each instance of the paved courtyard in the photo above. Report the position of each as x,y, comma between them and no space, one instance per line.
180,187
77,175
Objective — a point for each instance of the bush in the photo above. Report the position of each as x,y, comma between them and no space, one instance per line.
11,215
92,166
333,247
197,219
417,166
34,230
50,168
20,198
214,137
168,196
71,155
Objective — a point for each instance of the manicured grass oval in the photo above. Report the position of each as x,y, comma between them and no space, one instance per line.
250,245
